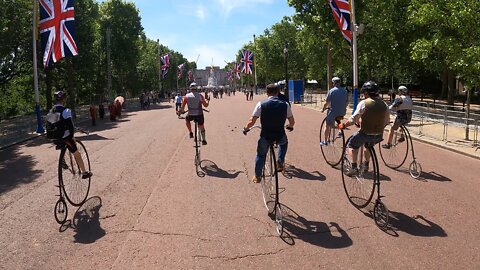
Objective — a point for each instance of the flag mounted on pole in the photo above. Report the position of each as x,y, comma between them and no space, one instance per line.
190,76
342,13
247,61
180,71
57,30
165,63
237,71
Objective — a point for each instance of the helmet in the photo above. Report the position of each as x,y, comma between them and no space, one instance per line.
193,85
336,80
59,95
402,89
370,87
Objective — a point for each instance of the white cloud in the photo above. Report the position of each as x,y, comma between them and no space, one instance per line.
201,12
228,5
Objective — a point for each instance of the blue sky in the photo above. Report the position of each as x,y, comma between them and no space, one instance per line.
210,28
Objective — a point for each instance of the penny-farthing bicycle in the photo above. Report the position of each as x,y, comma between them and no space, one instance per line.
361,185
396,155
72,187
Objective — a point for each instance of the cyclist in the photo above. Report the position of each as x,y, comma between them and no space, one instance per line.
403,105
337,101
194,101
272,113
372,115
66,118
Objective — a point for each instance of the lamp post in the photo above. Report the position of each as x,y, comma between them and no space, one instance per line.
285,51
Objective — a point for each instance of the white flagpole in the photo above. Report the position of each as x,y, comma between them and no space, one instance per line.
35,71
355,56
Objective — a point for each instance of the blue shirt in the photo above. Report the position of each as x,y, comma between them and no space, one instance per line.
338,98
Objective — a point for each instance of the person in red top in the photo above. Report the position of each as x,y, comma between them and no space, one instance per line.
195,101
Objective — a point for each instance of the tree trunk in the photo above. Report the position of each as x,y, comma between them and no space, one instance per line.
451,87
443,94
71,93
48,90
329,65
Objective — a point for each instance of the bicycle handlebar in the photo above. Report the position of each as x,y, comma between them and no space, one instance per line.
82,131
246,130
184,112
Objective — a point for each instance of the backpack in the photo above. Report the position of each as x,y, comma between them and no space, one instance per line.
55,124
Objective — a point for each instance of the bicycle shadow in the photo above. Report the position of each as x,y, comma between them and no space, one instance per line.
291,171
211,169
330,236
86,222
416,225
426,176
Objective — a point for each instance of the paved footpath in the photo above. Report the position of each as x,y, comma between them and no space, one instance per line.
156,213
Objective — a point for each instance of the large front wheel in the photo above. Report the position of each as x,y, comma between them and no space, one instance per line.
269,185
332,145
74,186
395,155
359,183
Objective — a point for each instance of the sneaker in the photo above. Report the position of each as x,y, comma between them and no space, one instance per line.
280,166
339,134
86,174
191,135
352,172
256,179
204,142
401,139
323,143
387,145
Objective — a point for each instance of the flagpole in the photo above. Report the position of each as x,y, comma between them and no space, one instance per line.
255,65
35,71
355,57
159,68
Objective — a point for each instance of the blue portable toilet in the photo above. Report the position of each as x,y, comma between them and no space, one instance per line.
295,90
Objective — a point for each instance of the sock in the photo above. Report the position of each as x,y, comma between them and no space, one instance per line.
203,134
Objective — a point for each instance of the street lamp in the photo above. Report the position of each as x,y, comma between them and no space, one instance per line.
285,51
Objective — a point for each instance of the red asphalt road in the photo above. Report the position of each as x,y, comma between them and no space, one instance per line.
158,214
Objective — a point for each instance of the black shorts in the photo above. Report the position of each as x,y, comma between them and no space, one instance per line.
69,142
196,118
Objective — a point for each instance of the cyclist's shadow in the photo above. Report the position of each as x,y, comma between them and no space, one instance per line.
86,222
291,172
209,168
321,234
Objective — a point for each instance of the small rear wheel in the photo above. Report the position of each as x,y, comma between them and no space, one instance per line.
415,169
61,211
380,214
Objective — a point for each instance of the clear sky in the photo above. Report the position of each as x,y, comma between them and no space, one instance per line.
210,28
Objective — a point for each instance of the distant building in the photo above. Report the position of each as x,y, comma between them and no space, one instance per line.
202,76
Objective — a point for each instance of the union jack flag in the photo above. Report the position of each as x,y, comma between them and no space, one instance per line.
230,74
237,71
180,71
341,13
165,59
190,76
247,61
57,30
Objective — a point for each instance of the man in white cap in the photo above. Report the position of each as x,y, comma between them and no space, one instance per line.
195,102
337,101
403,105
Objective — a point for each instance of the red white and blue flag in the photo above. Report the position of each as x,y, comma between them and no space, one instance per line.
165,63
247,61
341,12
57,30
237,71
180,71
230,74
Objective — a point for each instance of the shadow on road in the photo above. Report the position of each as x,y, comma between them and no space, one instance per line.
86,222
321,234
16,169
211,169
294,172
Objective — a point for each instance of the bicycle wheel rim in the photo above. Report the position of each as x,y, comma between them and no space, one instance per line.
74,187
333,151
268,183
415,169
380,214
279,219
60,211
359,188
397,154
